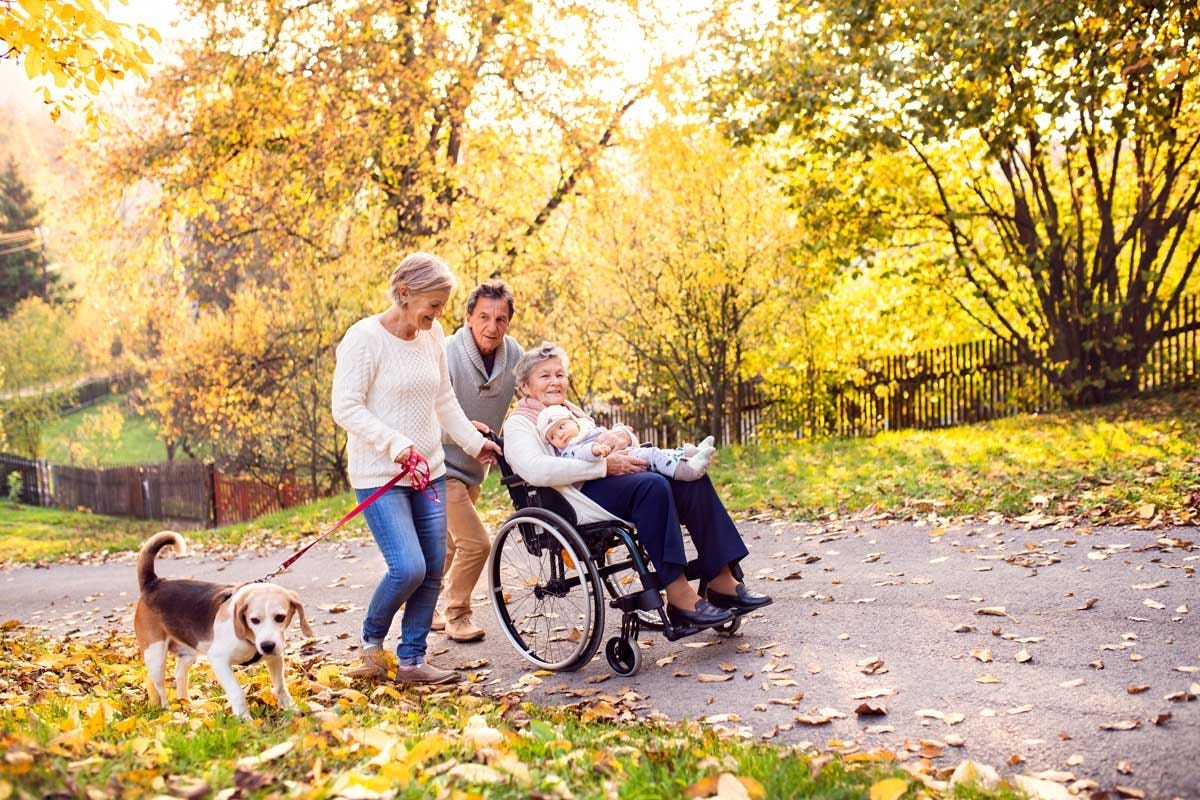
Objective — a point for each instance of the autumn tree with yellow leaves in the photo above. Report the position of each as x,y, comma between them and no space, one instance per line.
74,47
282,165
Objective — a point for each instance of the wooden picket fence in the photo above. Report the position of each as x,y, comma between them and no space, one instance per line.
936,388
188,492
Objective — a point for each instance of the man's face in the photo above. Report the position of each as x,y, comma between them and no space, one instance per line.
488,323
562,432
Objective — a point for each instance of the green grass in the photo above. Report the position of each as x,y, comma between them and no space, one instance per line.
1119,463
137,444
31,534
1110,463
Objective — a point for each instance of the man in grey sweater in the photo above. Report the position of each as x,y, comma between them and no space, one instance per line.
481,357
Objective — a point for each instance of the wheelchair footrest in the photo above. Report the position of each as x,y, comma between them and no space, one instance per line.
645,600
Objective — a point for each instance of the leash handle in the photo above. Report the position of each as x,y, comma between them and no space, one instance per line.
415,465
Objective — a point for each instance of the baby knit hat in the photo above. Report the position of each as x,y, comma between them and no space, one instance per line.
550,415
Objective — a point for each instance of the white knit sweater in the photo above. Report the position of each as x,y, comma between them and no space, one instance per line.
390,393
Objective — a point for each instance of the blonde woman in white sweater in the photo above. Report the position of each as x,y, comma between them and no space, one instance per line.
392,394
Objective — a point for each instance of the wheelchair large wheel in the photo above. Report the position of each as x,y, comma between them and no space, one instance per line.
546,591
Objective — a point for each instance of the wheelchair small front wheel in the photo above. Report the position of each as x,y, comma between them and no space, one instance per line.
624,655
729,628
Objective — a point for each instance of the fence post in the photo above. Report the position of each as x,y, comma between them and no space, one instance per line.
43,483
211,481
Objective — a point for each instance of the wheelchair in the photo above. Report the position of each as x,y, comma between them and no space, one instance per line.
548,577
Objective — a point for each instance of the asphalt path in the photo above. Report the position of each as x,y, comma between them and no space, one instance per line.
1069,653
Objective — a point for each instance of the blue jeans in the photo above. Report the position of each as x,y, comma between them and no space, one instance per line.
410,530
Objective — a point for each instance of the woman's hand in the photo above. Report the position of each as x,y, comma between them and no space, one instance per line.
620,463
404,455
601,450
489,452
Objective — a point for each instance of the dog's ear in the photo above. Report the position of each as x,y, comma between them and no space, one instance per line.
297,608
240,627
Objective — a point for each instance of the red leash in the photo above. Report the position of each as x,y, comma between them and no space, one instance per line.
415,465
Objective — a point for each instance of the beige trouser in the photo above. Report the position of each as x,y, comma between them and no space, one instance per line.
467,547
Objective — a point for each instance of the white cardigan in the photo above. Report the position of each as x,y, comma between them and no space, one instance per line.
391,393
533,458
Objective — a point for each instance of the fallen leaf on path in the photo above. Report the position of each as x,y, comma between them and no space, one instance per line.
986,677
1072,683
1123,725
1157,606
1023,656
814,719
705,677
869,709
872,666
981,654
1156,585
1089,603
1138,688
1128,791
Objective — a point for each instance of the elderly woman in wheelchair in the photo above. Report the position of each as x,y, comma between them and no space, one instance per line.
583,527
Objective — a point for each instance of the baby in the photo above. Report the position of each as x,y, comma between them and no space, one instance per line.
576,437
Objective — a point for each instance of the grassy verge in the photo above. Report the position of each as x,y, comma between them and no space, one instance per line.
73,719
1137,462
136,443
31,534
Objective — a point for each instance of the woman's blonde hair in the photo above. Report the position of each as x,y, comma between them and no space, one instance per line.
419,273
543,352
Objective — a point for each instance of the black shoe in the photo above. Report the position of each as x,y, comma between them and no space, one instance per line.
706,614
744,600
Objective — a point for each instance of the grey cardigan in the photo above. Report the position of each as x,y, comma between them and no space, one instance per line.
484,397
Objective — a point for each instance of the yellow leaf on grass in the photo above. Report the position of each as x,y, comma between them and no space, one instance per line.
5,790
356,786
726,787
889,789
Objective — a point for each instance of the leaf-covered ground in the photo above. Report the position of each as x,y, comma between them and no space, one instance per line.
74,722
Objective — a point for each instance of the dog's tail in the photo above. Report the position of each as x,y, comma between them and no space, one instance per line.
150,549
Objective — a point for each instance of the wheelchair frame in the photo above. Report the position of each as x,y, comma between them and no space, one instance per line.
541,555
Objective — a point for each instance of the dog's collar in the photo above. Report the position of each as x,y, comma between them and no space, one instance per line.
253,659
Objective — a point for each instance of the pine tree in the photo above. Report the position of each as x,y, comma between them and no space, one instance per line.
22,268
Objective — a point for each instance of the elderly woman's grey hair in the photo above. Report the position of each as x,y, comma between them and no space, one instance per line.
419,273
543,352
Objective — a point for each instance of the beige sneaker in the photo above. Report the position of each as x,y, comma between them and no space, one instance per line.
463,630
439,621
374,665
426,673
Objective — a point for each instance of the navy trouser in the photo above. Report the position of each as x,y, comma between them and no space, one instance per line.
657,506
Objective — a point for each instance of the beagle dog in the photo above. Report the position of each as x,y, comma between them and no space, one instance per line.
232,625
